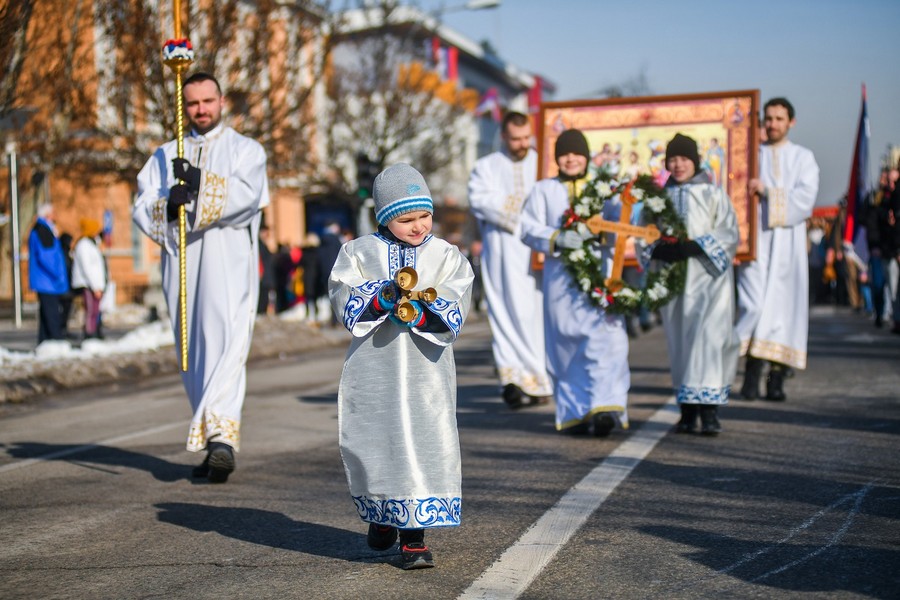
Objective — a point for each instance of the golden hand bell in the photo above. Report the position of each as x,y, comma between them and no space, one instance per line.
406,278
405,311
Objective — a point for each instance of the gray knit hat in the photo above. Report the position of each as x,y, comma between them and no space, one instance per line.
400,189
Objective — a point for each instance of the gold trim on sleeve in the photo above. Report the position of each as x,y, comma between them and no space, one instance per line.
777,207
158,221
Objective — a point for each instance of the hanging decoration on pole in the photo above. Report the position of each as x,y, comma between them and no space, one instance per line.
178,54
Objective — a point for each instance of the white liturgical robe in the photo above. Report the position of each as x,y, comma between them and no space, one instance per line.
497,189
397,397
773,290
702,343
222,269
587,348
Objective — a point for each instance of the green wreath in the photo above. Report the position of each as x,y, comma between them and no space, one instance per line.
585,263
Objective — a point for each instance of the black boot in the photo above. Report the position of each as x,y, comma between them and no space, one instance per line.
688,422
775,383
752,373
221,462
709,421
513,396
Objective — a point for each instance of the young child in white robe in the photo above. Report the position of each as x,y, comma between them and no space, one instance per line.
403,294
702,342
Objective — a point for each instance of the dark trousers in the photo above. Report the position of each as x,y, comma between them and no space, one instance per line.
877,282
262,305
50,326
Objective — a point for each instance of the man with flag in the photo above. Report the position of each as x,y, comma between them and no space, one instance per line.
773,290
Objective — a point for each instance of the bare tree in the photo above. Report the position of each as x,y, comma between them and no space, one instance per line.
636,85
93,70
14,18
382,103
269,57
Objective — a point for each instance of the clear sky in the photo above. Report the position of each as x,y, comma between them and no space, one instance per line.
817,53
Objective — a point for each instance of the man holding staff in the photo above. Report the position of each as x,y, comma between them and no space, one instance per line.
221,182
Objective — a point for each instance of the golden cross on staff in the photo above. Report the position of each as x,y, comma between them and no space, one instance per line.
623,230
178,56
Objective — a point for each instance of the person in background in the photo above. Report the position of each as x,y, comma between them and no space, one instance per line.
474,256
266,270
699,323
329,246
47,274
89,274
65,241
773,290
498,186
587,347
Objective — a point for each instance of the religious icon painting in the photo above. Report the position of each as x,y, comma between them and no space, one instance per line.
628,137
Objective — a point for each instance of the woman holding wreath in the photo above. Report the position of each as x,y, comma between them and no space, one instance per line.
587,347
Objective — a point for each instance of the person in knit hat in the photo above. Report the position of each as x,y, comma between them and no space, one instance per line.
587,348
89,274
703,345
403,294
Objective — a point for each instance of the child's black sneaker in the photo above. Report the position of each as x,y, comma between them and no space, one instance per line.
415,555
381,537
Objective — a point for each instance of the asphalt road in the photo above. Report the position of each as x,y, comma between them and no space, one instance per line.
794,499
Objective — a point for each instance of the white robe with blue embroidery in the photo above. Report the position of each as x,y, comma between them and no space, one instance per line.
397,397
703,345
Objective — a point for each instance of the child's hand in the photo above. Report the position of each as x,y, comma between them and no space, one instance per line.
387,297
409,312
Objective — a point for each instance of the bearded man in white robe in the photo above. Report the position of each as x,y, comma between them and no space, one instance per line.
498,186
773,290
223,187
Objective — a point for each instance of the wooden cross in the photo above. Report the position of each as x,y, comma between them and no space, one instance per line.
623,230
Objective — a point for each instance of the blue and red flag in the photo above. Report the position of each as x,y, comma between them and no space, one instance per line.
859,172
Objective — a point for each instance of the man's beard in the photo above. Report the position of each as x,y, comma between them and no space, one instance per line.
518,154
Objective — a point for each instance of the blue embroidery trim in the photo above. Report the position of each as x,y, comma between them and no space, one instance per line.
703,395
717,260
410,513
360,298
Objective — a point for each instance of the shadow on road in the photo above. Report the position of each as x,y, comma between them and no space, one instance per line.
790,566
272,529
79,454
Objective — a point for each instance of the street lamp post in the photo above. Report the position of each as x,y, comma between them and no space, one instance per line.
14,224
12,122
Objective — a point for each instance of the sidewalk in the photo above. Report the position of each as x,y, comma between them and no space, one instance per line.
132,349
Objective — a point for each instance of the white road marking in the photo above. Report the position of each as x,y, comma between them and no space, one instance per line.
83,448
522,562
329,387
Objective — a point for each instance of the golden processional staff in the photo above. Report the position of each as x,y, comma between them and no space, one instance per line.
178,55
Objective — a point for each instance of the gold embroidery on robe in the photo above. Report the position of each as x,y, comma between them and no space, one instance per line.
775,352
159,218
777,208
211,200
224,430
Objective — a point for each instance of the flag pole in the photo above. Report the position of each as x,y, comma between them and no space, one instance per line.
178,56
